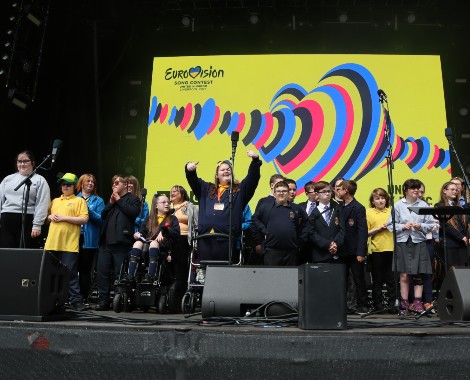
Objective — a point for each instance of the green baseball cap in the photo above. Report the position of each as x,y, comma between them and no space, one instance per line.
68,177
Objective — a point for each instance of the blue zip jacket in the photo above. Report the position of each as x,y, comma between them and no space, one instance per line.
143,215
91,230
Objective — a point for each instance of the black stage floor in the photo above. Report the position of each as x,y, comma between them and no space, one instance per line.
106,345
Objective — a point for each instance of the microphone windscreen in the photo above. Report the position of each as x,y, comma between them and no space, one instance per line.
235,136
57,144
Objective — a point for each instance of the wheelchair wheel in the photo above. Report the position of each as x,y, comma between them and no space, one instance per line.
186,304
127,303
193,302
117,303
161,305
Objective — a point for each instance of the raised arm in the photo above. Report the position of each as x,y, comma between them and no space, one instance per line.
193,180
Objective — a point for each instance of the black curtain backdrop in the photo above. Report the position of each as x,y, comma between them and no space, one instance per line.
93,49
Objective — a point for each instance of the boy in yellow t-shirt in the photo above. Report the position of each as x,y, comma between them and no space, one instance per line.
66,214
381,246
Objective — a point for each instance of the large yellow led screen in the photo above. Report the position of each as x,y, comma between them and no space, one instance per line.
310,117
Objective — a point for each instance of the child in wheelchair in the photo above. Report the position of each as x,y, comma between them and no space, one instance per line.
158,232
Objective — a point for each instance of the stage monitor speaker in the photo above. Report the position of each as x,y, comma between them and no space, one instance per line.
453,303
233,291
33,285
322,296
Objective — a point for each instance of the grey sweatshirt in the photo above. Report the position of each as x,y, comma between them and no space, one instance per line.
39,197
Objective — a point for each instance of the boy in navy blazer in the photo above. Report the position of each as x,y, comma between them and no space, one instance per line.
326,226
355,240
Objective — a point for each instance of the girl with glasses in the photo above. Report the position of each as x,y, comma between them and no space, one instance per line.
160,227
13,232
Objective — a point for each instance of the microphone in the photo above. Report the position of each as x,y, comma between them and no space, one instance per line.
56,146
235,136
382,94
143,192
448,132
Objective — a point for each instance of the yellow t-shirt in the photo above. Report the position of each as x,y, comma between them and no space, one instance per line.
181,213
382,241
65,236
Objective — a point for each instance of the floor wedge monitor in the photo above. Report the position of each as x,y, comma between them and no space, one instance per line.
33,285
257,291
453,303
322,296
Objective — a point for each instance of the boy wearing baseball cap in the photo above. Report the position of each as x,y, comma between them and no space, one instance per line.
66,214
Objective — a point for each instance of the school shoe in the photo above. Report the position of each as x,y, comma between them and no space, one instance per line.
79,306
148,279
126,280
362,310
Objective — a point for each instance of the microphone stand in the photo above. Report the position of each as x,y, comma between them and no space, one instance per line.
24,208
448,133
390,167
143,194
230,205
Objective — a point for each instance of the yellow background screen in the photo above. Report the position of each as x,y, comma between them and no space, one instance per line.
310,117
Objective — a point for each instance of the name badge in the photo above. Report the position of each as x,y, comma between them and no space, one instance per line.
219,206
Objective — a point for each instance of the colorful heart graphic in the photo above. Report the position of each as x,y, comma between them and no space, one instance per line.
194,71
289,134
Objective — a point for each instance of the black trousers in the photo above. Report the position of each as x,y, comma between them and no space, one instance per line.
110,259
216,248
10,231
382,273
279,257
180,258
357,270
86,267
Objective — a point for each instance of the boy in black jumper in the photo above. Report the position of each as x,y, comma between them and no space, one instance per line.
284,226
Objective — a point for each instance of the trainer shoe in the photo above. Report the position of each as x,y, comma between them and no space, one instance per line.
429,305
417,307
403,309
201,276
